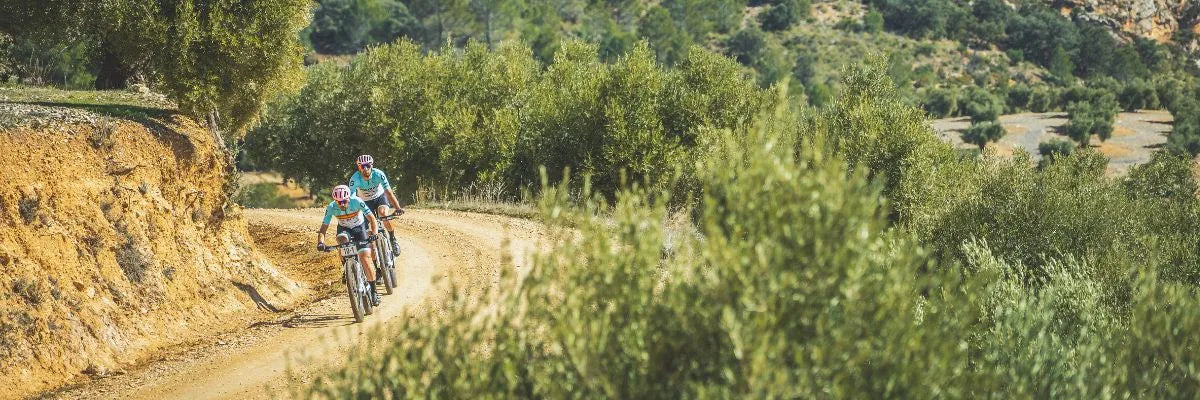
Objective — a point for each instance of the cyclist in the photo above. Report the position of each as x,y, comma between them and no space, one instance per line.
373,188
353,220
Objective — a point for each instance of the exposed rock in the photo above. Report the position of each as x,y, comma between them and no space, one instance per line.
1160,20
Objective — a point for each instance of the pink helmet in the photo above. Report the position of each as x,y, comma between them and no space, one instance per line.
341,194
365,160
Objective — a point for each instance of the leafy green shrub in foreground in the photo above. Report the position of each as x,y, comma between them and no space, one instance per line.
793,285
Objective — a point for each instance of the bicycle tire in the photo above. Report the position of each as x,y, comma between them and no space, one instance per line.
352,282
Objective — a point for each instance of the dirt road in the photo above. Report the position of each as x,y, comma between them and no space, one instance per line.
1136,135
438,247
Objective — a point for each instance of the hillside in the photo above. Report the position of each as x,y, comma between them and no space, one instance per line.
1162,20
117,240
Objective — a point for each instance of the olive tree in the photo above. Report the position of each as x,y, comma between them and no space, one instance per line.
218,59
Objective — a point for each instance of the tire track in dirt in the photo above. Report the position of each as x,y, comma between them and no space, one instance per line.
439,248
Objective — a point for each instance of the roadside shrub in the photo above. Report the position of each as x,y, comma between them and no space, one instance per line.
455,118
608,314
874,129
1021,282
980,134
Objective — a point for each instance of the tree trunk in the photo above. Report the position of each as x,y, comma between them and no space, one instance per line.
112,73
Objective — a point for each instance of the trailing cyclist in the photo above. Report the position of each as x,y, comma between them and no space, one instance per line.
353,220
373,188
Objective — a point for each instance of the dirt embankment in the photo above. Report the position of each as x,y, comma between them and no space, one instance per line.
115,243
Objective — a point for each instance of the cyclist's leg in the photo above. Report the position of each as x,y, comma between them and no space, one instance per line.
381,208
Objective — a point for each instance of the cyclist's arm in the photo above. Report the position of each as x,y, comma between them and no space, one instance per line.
392,198
371,220
324,226
387,190
321,233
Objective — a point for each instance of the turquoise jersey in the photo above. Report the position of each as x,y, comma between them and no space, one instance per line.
370,189
354,215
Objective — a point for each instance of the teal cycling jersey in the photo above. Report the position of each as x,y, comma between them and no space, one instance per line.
371,188
354,215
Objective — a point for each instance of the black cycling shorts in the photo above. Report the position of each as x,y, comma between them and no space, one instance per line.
357,234
378,201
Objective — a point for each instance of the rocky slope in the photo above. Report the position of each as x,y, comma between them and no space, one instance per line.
1157,19
116,242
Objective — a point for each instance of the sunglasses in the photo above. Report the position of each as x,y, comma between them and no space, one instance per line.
343,203
365,166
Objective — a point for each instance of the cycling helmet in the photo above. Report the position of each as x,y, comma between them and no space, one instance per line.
341,194
365,161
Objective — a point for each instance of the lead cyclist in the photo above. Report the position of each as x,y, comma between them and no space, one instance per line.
373,188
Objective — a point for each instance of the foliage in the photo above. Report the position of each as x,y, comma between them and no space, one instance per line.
347,26
1139,95
670,43
477,116
752,48
941,103
1010,281
218,59
784,13
1167,175
29,61
1185,131
981,133
982,106
918,18
1094,117
1055,149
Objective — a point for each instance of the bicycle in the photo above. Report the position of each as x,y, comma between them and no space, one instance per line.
385,262
356,283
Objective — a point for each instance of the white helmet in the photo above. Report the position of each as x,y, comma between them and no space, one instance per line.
365,160
341,193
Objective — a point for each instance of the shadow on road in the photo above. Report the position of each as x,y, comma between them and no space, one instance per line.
258,299
309,321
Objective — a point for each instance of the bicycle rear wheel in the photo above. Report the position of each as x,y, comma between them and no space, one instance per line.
386,262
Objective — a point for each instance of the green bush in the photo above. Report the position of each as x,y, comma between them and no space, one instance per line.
941,103
1087,118
1139,95
784,13
981,133
1042,99
1018,98
455,118
1054,150
982,106
1185,131
1167,175
791,280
